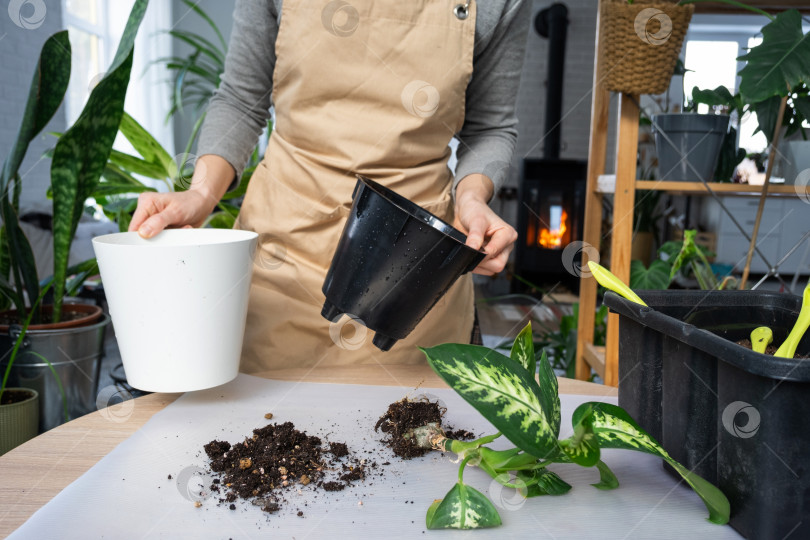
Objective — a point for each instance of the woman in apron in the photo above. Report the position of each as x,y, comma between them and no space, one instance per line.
359,87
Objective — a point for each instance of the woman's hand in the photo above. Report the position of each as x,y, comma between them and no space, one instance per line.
158,211
483,227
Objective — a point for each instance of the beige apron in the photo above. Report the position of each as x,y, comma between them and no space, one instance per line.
375,88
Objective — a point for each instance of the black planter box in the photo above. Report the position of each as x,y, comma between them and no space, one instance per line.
738,418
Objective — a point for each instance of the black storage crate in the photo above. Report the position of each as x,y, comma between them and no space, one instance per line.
738,418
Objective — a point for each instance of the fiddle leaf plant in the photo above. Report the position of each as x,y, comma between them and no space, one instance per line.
526,411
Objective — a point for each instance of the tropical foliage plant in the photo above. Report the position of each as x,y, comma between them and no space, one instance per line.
195,77
77,162
527,413
122,179
685,258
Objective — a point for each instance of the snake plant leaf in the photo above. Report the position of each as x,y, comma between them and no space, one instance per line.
501,390
462,508
45,94
615,428
582,447
779,63
607,480
540,482
523,349
47,90
146,145
81,153
23,267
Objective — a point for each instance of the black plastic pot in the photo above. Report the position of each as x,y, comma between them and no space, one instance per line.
736,417
694,144
394,261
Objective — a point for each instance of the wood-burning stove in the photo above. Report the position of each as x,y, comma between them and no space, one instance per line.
550,217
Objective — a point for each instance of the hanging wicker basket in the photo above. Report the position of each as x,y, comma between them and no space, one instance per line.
640,44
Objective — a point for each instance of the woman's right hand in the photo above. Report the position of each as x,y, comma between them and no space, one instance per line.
190,208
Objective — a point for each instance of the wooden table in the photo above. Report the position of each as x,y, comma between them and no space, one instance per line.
35,472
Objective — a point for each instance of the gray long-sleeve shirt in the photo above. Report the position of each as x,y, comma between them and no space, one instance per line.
240,106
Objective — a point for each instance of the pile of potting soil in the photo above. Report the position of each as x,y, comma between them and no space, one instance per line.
278,458
405,415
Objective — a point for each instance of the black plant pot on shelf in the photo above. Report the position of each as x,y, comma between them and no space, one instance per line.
688,144
736,417
394,261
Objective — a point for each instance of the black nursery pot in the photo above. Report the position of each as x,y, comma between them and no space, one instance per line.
735,417
394,261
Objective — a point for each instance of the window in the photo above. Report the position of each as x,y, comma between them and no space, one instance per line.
94,28
713,44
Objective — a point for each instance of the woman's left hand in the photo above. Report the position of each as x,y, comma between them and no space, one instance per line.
483,227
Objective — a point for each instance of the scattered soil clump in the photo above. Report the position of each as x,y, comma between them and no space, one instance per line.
277,458
403,416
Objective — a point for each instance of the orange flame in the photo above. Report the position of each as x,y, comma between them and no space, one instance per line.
553,238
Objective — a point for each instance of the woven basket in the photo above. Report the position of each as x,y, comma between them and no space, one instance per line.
640,44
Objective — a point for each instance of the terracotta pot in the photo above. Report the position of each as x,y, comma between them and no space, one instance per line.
85,314
19,420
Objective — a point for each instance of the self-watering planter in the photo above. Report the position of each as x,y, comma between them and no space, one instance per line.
736,417
394,261
178,302
687,144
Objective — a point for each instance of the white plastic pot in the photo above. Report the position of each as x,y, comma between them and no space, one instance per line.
178,302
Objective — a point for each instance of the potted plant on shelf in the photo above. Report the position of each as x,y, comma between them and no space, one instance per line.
640,43
688,144
51,345
775,70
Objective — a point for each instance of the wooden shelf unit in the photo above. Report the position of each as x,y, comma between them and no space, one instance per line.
605,360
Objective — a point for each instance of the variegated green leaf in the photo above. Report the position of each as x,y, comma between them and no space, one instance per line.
23,267
607,480
146,145
501,390
546,390
615,428
582,447
136,165
462,508
45,94
549,390
523,349
500,461
82,151
542,482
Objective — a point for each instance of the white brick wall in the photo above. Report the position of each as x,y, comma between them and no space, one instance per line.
577,84
19,52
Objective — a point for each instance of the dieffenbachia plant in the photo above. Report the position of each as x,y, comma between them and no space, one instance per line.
527,412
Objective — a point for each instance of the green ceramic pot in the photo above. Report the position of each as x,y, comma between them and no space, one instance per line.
19,421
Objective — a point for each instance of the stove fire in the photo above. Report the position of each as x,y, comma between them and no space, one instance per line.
553,238
552,200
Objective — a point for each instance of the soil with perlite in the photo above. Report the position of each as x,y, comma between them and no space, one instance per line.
278,460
